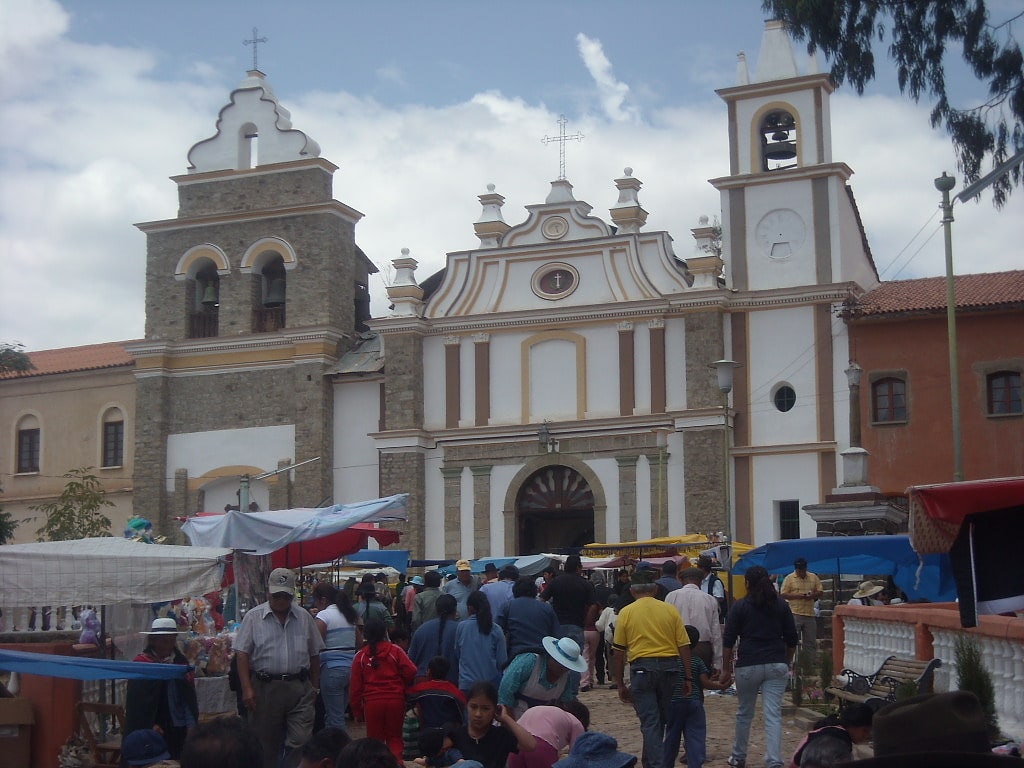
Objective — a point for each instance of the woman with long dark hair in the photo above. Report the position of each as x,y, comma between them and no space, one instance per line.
763,623
381,673
480,649
436,638
341,630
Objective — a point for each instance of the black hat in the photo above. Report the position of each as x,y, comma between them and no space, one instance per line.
800,562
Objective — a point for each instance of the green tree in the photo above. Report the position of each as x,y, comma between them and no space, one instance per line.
7,525
78,512
13,358
921,34
971,675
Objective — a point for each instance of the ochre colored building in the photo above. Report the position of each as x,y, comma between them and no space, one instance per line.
898,336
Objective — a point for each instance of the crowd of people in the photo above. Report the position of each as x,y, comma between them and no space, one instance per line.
486,672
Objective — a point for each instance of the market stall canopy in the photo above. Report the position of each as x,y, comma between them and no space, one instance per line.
105,571
873,555
80,668
981,524
626,552
262,533
393,558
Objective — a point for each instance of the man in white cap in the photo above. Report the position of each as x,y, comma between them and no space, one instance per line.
278,650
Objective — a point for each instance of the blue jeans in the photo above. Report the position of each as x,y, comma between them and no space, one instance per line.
651,682
686,718
770,680
334,691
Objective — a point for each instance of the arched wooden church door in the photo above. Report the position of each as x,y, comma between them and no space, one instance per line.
555,509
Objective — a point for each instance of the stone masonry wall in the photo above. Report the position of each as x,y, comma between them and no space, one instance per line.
705,480
403,387
255,191
149,498
403,473
705,343
320,289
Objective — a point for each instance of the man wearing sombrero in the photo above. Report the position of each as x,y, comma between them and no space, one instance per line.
168,706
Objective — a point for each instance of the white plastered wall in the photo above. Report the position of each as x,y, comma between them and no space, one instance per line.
786,477
356,461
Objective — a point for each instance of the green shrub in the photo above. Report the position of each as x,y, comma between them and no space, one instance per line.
971,675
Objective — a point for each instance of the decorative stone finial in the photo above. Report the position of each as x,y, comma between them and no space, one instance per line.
405,294
491,226
742,73
627,213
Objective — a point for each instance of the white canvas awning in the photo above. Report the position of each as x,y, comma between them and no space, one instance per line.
106,571
260,533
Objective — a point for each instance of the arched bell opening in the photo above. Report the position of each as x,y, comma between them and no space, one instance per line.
554,510
270,287
203,291
778,140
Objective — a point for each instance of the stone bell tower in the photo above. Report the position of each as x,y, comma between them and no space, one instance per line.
252,291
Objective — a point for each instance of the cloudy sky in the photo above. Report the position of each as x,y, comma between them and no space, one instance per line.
422,105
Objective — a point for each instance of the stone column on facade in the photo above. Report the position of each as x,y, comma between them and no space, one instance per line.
705,480
627,355
482,378
149,499
280,487
627,497
313,401
656,331
452,382
452,511
481,510
658,464
404,473
179,507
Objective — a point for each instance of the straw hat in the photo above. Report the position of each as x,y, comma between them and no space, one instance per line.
867,589
165,626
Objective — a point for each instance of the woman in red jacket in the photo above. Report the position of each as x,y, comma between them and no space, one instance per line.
381,673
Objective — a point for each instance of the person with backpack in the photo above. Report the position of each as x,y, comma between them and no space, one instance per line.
713,585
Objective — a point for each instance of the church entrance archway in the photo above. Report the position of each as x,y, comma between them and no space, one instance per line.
554,509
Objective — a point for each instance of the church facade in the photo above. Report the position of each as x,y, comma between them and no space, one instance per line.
549,388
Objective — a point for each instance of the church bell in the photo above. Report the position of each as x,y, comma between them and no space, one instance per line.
275,293
781,148
210,299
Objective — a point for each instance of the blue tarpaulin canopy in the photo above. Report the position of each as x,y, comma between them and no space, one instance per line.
77,668
871,555
395,558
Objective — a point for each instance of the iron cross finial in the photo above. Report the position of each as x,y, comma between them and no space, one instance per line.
562,138
255,43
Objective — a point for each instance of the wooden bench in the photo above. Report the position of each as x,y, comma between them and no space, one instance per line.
878,689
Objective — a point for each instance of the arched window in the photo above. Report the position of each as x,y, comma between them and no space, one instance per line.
889,400
204,302
270,287
1004,393
26,449
113,439
778,140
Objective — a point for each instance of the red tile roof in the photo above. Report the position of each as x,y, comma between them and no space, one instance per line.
996,290
91,357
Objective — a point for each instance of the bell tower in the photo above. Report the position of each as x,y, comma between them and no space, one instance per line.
253,291
794,250
785,202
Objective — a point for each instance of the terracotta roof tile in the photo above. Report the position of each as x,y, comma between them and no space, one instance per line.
91,357
927,295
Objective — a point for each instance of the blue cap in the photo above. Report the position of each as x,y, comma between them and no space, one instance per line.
144,747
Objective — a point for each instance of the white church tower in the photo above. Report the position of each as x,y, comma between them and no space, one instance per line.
795,250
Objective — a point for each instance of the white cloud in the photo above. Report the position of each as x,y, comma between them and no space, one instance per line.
391,74
613,94
86,150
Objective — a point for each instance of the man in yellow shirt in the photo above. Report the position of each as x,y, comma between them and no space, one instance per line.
650,635
800,589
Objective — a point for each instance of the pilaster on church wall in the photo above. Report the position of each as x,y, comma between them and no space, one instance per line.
150,497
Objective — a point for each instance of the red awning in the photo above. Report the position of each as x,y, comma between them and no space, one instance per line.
936,511
328,548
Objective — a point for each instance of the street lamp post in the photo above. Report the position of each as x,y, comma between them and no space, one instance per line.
724,371
945,184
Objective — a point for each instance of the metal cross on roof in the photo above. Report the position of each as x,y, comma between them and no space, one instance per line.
255,42
562,138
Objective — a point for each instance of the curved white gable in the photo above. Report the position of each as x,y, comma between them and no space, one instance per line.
254,115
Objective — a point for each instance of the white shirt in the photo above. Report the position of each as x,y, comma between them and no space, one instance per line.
275,648
700,610
719,589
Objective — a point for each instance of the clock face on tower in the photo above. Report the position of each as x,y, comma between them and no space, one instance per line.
780,233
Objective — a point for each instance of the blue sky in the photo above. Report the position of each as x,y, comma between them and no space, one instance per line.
421,104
